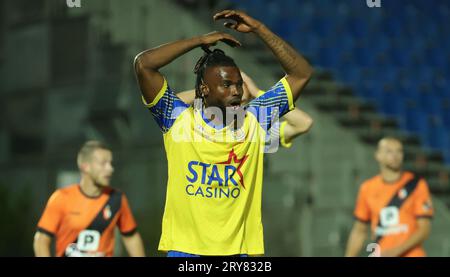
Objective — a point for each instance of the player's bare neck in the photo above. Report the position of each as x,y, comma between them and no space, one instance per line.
89,189
391,176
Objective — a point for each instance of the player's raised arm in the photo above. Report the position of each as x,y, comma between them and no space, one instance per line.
148,63
298,123
298,70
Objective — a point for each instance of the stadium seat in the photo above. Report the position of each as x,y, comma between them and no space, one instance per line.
438,136
398,46
393,104
417,123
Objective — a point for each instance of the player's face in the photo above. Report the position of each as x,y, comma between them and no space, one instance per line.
100,167
390,154
224,87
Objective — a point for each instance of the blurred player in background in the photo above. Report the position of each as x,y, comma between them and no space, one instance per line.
396,204
296,122
82,217
213,204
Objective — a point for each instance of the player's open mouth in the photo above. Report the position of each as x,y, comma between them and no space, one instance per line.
235,104
234,108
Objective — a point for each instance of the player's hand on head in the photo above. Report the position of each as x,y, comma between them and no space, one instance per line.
212,38
249,85
239,21
245,77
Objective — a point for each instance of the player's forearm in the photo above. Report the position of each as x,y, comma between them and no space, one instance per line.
134,245
291,61
416,239
355,243
155,58
300,121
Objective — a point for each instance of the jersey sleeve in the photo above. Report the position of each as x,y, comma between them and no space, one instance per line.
362,210
126,223
423,206
272,104
276,137
283,141
52,215
166,107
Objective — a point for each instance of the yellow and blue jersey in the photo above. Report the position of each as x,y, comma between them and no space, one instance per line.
277,133
214,189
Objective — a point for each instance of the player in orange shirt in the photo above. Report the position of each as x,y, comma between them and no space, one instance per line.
396,204
82,217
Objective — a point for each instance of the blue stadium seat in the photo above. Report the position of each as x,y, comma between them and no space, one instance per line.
329,57
410,93
386,74
438,136
393,104
287,28
400,56
437,57
431,104
324,26
400,45
348,74
417,123
364,56
446,117
358,27
425,74
392,26
373,90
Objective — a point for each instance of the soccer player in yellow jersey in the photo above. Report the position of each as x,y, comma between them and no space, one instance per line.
215,148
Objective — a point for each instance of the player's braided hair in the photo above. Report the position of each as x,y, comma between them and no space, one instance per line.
210,58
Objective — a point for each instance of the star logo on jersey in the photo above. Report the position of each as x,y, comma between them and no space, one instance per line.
107,212
233,157
427,206
402,194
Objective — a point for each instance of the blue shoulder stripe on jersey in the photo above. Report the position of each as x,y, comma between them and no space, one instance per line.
271,105
167,108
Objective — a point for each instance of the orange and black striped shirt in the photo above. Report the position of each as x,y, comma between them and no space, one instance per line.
392,209
84,226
